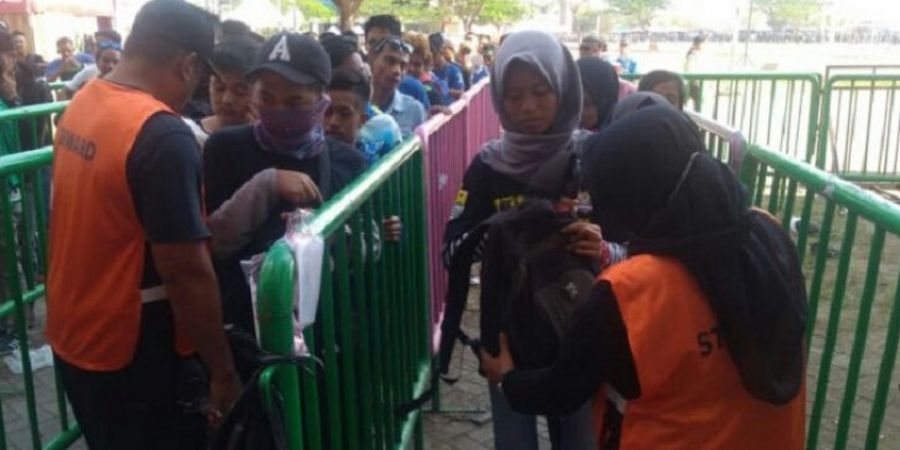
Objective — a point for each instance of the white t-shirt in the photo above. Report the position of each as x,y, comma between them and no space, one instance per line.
81,78
199,133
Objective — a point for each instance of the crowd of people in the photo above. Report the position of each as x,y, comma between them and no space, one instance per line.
184,146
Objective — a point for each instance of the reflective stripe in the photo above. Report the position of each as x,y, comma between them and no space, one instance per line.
153,294
616,399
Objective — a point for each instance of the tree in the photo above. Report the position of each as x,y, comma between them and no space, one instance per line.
639,12
311,9
502,12
347,10
408,11
784,14
485,12
586,18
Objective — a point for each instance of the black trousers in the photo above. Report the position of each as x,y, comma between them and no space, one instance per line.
141,406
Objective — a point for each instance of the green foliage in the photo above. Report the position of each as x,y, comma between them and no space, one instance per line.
585,18
312,9
784,14
408,11
501,12
639,13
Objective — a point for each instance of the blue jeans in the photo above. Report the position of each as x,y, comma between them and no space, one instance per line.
516,431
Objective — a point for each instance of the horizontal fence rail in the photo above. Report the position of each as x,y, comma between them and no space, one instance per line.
24,207
373,322
859,138
780,110
845,237
29,127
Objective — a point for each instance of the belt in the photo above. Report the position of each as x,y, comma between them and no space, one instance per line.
154,294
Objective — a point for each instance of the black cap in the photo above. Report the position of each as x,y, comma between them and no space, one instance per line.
300,59
178,22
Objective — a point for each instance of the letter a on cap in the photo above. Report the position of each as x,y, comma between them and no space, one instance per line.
280,51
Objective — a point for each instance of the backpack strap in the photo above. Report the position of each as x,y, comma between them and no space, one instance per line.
325,171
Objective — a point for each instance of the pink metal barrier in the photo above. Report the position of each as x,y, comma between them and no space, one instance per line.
449,143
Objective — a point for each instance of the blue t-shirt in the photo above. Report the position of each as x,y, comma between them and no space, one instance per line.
629,65
480,74
452,74
414,88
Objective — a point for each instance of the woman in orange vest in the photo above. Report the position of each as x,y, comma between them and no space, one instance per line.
696,341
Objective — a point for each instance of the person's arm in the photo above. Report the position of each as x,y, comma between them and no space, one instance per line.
595,351
83,76
164,174
186,271
233,223
472,206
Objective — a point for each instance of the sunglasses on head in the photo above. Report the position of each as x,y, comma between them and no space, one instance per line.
395,43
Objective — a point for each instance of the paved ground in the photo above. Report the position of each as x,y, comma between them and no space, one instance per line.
472,429
12,393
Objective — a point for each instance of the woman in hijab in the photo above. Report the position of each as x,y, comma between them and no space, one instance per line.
536,92
635,102
695,342
601,91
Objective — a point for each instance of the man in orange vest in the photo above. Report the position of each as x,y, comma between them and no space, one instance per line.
695,342
131,288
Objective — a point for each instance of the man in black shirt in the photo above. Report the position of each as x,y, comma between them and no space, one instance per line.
131,287
288,141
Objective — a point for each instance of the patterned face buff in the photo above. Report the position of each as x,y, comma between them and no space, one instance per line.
286,130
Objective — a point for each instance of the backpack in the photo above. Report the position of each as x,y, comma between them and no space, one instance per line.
250,425
531,283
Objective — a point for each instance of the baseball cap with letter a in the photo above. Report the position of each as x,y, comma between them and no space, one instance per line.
300,59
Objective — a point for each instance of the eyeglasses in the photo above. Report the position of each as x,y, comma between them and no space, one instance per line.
395,43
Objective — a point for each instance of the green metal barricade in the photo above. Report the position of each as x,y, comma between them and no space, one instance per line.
29,127
372,327
845,237
859,138
780,110
33,408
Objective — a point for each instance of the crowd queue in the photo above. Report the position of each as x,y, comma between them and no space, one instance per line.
186,142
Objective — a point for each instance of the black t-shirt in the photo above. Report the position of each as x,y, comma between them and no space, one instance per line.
232,156
484,192
164,171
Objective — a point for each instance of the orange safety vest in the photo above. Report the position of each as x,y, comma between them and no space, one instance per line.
691,393
97,243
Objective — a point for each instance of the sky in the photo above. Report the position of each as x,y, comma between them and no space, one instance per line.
884,11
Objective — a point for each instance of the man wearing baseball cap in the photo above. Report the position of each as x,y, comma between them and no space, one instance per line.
287,145
132,292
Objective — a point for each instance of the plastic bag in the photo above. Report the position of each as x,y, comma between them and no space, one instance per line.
309,250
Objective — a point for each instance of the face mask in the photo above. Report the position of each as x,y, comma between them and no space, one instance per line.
286,130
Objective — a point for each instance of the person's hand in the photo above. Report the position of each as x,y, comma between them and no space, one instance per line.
494,368
439,109
70,63
297,188
393,228
585,239
224,391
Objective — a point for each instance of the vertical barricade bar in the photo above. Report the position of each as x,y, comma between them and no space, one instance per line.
275,307
22,246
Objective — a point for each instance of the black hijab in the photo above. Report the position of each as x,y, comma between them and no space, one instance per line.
653,184
601,85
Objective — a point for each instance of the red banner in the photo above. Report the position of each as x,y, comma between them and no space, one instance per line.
14,7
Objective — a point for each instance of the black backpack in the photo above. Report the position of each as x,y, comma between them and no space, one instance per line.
250,425
531,283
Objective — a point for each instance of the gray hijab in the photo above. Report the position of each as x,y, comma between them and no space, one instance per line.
636,101
519,155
